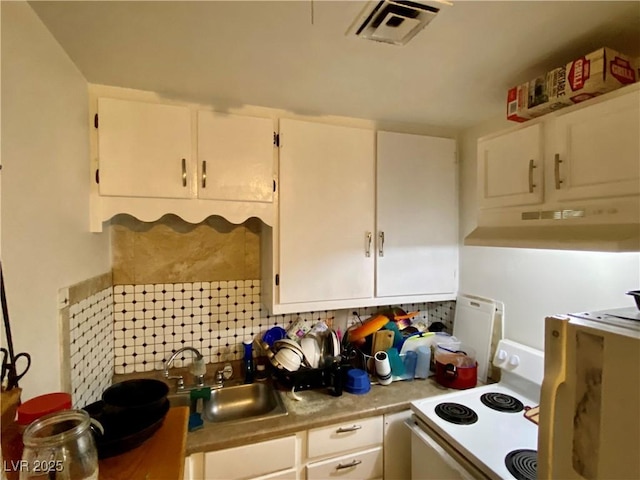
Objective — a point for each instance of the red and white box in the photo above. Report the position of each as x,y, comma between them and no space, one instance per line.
517,103
599,72
586,77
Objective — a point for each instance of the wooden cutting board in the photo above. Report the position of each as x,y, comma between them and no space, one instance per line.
532,413
160,457
382,341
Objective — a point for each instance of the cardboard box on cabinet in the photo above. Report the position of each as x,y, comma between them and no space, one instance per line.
586,77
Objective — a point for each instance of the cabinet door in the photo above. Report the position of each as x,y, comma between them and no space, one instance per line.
144,149
235,157
417,215
510,169
397,445
253,460
326,212
598,150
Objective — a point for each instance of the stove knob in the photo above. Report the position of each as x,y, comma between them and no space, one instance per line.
502,355
514,361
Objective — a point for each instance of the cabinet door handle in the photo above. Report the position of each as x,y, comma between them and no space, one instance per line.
352,428
556,171
381,244
353,463
367,250
531,184
184,172
204,174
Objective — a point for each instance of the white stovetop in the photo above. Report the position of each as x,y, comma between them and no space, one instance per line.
486,442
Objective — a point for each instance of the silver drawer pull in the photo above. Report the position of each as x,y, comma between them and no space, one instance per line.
531,184
204,174
352,428
556,171
352,464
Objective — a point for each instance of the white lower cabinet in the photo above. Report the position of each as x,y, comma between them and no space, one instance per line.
346,450
257,460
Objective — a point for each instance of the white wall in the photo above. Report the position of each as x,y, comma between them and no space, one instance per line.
536,283
45,189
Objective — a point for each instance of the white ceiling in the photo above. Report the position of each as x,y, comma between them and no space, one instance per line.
295,54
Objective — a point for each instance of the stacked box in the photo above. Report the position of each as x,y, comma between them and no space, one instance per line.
599,72
594,74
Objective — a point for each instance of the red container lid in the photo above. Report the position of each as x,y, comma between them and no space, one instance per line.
39,406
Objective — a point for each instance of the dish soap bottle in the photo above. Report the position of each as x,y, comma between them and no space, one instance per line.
248,361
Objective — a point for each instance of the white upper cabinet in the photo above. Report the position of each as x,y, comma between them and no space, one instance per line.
144,149
597,151
235,157
510,169
581,165
150,159
589,151
417,244
355,231
326,217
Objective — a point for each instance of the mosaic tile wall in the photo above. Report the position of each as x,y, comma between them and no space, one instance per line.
91,347
154,320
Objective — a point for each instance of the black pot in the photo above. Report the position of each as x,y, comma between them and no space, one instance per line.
121,432
136,398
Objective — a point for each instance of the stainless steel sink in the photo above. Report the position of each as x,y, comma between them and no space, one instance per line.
239,403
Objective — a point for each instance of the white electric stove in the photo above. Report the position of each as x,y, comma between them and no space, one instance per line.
483,431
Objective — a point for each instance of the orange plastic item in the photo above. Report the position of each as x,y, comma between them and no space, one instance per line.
408,316
369,326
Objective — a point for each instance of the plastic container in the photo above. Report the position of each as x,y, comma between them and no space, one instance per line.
358,382
247,361
410,362
423,366
42,405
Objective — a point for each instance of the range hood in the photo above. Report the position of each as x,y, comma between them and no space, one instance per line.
394,21
613,226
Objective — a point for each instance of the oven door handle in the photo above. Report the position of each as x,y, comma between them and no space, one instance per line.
446,457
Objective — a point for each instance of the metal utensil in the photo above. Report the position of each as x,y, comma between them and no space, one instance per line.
10,366
14,376
5,363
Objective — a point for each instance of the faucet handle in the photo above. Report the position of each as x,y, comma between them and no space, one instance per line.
179,378
227,371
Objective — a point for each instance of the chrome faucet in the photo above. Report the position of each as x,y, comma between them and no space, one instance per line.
197,368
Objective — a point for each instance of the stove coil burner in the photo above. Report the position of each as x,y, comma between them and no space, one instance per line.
522,464
456,413
502,402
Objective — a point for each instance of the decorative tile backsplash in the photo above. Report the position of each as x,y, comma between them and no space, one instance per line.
154,320
91,346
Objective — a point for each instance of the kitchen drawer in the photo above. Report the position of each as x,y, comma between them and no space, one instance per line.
289,474
366,432
252,460
361,465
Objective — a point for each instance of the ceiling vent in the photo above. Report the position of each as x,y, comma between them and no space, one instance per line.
394,21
